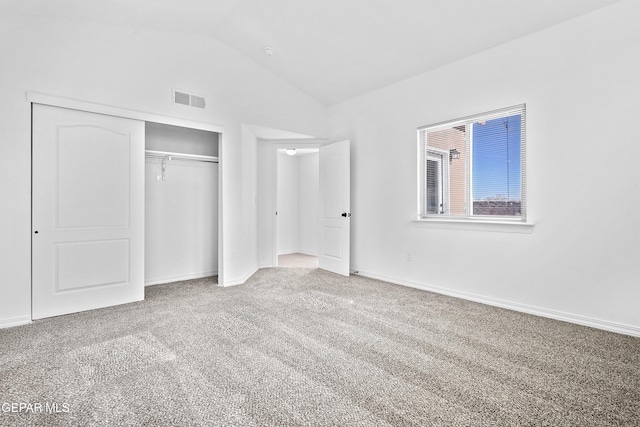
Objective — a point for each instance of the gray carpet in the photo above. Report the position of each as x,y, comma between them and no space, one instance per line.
306,347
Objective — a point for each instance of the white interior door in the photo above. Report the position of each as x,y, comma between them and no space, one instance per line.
88,211
335,207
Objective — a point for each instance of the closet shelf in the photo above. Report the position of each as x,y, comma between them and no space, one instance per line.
168,155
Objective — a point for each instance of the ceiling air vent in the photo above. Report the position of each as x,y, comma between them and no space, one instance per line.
184,98
197,101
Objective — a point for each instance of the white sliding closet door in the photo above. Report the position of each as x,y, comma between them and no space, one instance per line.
88,211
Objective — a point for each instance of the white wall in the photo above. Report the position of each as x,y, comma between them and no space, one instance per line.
287,204
267,204
181,212
244,214
308,203
136,69
580,83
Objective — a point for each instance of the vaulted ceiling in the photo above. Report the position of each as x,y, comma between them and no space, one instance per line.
332,49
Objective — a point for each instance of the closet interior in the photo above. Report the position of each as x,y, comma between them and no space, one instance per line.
181,203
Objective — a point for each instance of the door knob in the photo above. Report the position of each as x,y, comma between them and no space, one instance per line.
346,215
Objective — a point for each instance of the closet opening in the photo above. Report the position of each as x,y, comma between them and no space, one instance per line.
181,203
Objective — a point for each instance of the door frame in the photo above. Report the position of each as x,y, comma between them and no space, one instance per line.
74,104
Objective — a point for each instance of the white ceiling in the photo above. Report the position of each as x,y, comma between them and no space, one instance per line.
332,49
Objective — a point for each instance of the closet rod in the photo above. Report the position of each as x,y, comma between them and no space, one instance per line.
180,156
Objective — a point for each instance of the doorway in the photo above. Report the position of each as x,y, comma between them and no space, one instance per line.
297,207
334,201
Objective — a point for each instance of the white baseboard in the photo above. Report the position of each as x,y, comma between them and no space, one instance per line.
239,281
310,253
287,252
169,279
515,306
15,321
297,251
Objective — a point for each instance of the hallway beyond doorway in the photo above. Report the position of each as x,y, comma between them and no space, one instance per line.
297,261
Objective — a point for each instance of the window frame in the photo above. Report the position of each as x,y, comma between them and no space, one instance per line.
469,217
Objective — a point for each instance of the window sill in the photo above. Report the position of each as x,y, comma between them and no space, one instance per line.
474,225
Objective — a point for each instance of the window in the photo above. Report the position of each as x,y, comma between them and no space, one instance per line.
474,168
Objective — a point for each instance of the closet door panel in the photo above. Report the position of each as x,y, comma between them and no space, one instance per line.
88,211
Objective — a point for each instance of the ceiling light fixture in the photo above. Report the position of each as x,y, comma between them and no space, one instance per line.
269,51
290,151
